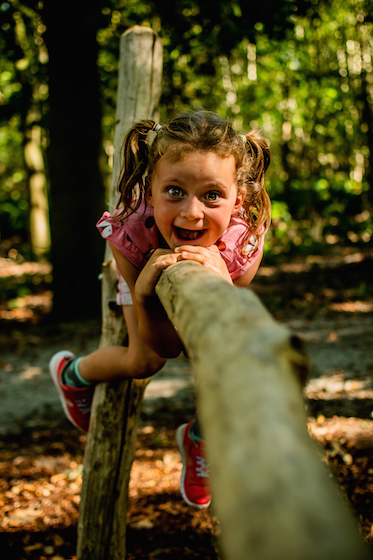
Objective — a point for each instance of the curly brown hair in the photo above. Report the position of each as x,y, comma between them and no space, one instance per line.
192,132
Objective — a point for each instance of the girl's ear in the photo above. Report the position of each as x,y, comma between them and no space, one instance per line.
148,191
239,200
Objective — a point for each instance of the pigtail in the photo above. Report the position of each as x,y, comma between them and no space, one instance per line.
258,151
257,204
187,134
135,154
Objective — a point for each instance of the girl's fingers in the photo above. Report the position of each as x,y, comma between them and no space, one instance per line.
209,260
190,256
167,261
148,277
200,254
161,259
207,256
197,249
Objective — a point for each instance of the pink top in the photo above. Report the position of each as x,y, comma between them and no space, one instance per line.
136,237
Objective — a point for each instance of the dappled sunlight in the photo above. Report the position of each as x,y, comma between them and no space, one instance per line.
25,293
352,307
40,485
27,308
10,267
155,472
298,265
341,384
323,331
31,372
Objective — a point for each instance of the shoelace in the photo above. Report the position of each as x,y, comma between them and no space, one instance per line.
202,468
84,405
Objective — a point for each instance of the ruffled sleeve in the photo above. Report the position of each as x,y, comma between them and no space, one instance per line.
238,259
135,236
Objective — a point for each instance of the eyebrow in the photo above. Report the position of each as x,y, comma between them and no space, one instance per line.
217,186
214,185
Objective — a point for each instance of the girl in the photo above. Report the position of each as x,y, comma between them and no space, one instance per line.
192,189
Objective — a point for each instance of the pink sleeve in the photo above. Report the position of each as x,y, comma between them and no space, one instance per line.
116,233
238,259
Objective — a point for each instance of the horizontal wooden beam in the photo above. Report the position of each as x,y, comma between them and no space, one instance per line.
272,493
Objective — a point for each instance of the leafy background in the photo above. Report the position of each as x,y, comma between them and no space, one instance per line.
300,71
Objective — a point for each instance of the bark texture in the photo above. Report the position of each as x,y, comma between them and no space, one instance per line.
272,493
116,406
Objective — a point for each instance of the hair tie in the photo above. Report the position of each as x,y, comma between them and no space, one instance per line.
150,137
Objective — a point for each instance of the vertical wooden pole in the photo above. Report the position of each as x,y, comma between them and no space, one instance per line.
116,406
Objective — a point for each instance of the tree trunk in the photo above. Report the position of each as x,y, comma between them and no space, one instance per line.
39,210
116,406
77,192
273,495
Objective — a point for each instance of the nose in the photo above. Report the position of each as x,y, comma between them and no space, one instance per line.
192,209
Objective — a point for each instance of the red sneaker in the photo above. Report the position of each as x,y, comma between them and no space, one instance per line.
76,402
195,477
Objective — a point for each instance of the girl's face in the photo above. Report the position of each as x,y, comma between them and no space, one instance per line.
194,198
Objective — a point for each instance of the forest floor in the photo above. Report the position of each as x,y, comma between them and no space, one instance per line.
327,301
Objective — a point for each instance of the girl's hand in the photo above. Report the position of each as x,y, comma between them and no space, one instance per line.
208,256
149,275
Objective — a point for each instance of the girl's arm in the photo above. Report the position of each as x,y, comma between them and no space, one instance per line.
246,279
155,328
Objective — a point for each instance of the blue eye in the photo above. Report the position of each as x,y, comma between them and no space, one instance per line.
174,191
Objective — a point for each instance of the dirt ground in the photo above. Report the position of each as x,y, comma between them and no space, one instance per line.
327,301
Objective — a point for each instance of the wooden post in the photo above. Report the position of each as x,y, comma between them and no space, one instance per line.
272,494
116,406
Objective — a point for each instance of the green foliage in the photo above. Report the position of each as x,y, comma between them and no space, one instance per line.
312,96
13,192
299,70
23,103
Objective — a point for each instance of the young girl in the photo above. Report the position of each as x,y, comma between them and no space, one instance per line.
192,189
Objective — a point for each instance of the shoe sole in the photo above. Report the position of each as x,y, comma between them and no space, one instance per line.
180,432
53,371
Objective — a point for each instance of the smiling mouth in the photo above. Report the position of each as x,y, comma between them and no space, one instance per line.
189,234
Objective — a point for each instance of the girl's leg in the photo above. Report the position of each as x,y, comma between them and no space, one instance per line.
118,362
75,379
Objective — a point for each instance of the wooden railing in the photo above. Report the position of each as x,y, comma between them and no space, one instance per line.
272,493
